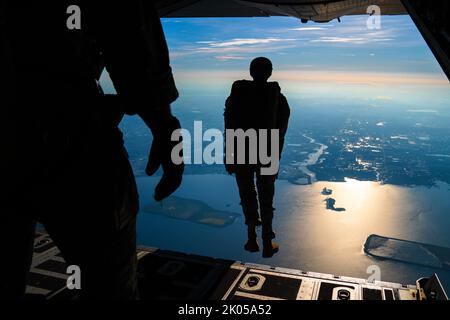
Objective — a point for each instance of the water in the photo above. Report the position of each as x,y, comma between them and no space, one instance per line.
311,237
313,158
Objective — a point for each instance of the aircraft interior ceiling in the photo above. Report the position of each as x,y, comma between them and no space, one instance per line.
315,10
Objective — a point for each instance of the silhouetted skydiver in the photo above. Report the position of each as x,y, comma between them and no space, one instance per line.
257,104
63,160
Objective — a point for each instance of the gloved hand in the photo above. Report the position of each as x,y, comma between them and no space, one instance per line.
160,155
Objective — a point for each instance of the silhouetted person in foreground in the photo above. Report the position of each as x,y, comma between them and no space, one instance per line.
257,104
63,159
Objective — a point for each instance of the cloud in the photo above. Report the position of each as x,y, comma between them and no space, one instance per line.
229,57
361,39
230,48
353,33
314,28
382,39
383,98
424,111
242,42
340,40
308,29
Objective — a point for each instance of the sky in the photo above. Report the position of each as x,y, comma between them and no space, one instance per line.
221,44
337,59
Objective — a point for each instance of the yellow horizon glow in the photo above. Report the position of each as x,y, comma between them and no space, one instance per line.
340,77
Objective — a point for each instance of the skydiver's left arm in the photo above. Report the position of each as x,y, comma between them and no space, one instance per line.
284,113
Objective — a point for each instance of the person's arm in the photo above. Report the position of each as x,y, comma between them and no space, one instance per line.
229,123
284,113
135,52
227,113
230,111
136,56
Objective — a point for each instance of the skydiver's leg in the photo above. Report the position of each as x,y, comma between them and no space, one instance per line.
249,202
266,192
245,179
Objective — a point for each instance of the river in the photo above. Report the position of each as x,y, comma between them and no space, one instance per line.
313,158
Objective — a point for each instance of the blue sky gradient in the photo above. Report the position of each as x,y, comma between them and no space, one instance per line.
221,44
345,61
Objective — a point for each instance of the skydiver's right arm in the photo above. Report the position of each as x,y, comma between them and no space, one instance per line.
136,56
